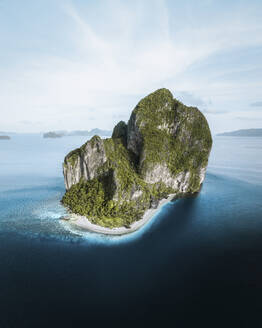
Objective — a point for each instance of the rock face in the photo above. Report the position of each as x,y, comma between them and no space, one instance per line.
163,150
84,162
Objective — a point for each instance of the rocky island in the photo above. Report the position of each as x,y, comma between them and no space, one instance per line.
5,138
114,184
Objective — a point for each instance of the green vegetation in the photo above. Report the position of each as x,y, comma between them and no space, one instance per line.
165,133
120,131
190,147
90,198
73,156
117,177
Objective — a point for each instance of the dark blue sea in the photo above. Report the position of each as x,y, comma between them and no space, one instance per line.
198,263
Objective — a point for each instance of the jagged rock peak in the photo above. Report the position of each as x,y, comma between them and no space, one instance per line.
120,131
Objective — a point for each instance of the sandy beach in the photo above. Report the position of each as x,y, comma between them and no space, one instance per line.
83,222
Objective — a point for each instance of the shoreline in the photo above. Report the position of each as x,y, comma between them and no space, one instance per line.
84,223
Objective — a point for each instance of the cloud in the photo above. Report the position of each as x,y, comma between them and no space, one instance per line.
214,112
190,99
30,123
256,104
204,105
123,56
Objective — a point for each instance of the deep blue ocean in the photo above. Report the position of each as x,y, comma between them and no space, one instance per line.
198,263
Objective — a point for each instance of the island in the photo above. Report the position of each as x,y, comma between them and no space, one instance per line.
115,185
52,135
5,138
242,133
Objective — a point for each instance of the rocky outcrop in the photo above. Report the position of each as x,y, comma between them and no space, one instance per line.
163,149
120,131
83,163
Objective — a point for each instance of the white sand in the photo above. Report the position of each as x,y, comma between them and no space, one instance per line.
83,222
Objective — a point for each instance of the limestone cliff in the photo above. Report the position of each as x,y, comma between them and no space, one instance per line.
163,149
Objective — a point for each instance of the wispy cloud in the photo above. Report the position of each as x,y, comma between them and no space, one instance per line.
248,118
127,51
215,112
191,99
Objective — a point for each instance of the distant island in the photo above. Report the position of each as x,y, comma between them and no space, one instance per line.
85,133
114,185
5,138
242,133
52,135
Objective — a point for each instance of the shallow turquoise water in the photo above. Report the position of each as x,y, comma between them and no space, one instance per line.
32,185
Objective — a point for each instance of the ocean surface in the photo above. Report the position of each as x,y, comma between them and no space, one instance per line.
197,263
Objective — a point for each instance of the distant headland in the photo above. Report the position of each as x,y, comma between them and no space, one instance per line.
85,133
242,133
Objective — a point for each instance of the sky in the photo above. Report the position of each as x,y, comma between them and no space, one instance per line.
80,64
